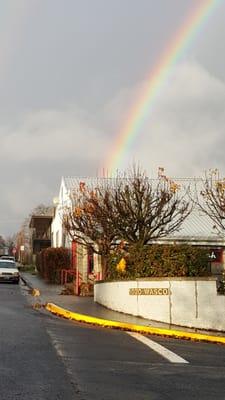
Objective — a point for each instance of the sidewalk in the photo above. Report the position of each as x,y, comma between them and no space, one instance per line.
50,293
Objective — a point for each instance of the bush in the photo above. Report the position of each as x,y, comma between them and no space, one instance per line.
161,261
51,261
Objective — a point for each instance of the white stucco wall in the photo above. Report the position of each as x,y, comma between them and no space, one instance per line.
114,295
157,302
191,302
57,226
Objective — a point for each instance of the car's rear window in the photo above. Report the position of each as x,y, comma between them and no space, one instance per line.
6,264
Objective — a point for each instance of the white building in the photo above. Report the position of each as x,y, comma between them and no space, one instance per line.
85,262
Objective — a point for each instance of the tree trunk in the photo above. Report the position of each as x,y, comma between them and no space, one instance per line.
104,263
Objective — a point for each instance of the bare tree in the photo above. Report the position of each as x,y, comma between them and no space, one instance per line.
23,240
210,198
2,241
89,221
2,245
10,242
148,209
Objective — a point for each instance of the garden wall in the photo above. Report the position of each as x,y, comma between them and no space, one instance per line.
190,302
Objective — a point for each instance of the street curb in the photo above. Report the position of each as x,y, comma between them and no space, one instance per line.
54,309
28,284
61,312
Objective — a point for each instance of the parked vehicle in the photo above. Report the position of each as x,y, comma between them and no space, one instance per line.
9,271
12,258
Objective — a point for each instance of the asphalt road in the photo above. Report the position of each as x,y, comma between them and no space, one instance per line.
44,357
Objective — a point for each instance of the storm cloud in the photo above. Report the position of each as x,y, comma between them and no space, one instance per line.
71,77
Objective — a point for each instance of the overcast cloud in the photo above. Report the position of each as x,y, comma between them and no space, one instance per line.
70,73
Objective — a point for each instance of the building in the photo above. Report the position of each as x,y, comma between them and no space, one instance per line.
86,263
198,230
40,232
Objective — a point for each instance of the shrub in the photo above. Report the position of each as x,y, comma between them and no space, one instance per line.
161,261
51,261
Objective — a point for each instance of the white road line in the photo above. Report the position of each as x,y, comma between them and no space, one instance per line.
169,355
56,344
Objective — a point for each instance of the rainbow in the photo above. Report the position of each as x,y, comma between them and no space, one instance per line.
157,78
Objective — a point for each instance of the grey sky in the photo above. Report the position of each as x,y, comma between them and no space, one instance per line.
69,72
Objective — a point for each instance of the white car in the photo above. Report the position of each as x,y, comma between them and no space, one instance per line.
11,258
9,271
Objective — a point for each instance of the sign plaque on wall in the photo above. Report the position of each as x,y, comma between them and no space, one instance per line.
149,291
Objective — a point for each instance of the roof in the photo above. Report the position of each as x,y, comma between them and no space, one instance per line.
35,218
198,227
71,182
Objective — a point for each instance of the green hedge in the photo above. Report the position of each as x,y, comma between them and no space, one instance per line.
51,261
161,261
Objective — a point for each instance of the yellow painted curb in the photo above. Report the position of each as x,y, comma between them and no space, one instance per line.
54,309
